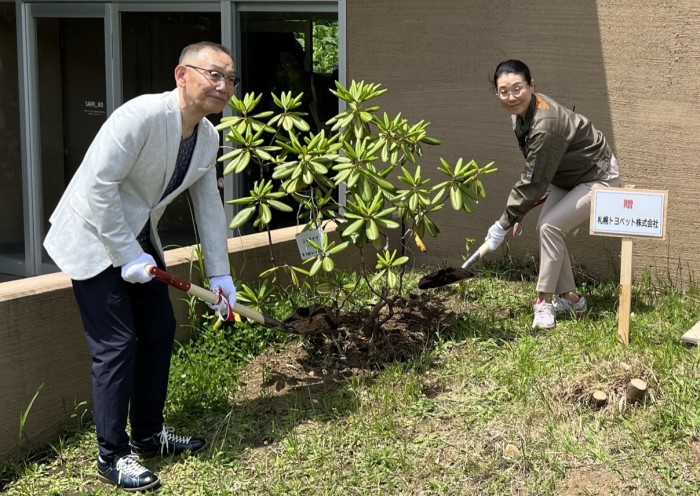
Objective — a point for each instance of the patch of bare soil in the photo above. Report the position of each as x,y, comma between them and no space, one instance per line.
589,481
407,330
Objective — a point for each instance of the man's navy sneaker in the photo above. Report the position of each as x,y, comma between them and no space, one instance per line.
127,473
167,443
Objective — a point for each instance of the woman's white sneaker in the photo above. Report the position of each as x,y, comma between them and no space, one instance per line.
563,307
545,317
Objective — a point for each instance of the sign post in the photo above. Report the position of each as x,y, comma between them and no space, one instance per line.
628,213
625,308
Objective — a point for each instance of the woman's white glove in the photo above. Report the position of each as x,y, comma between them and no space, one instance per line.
135,271
495,236
223,285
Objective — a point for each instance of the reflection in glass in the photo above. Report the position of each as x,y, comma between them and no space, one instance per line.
290,51
12,223
72,99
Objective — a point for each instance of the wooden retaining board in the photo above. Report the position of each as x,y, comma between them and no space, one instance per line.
692,336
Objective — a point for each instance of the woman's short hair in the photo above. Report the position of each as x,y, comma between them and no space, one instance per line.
512,66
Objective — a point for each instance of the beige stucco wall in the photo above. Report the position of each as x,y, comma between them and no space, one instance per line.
632,68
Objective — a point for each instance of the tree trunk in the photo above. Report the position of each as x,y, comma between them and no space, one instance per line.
369,326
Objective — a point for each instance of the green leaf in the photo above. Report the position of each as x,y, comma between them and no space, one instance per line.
316,267
231,155
242,217
328,264
324,288
430,141
387,223
400,261
456,198
339,248
278,205
262,154
242,201
353,227
265,213
243,161
378,276
300,123
372,230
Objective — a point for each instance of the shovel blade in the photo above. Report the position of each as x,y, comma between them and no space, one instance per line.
444,277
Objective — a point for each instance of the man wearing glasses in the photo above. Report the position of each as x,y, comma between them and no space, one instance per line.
104,236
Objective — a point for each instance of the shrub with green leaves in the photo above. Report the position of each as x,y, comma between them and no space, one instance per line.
377,160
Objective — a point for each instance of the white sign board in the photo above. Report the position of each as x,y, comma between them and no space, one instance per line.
305,248
628,212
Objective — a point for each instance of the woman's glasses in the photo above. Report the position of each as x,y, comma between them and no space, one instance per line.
516,90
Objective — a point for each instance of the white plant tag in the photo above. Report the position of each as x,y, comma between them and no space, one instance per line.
305,249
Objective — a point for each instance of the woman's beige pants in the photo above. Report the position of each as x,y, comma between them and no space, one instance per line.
561,212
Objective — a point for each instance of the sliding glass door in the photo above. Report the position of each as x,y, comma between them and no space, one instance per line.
66,97
289,47
12,243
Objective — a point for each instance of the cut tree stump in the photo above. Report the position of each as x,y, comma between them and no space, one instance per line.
636,391
599,399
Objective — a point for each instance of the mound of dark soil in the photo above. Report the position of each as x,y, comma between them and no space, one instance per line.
405,332
345,350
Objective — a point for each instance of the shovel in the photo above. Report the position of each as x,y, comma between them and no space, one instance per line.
450,275
218,299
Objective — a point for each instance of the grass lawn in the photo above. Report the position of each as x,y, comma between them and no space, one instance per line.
490,407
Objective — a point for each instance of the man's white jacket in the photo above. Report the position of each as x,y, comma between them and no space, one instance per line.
120,183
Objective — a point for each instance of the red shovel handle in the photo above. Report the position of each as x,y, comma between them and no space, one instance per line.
218,299
163,276
186,286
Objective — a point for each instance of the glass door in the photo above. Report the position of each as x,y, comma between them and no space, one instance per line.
12,245
289,47
151,42
66,99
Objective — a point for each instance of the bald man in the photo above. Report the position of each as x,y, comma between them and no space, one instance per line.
104,234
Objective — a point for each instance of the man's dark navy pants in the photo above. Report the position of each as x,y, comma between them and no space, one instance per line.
130,330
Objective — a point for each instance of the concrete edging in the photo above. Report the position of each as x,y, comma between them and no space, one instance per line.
43,345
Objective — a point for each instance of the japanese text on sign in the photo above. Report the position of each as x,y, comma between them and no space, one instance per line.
628,212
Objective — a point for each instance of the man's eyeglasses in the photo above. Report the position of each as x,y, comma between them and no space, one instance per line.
216,77
516,90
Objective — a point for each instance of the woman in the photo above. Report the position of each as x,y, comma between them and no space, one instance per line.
565,156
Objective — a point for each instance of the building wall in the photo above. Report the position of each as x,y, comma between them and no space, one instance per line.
630,68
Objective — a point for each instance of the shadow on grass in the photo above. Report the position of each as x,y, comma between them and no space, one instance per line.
260,421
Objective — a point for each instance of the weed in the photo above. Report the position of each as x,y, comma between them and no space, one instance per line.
25,414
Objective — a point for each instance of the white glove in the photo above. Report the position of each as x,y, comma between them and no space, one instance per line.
223,285
495,236
135,271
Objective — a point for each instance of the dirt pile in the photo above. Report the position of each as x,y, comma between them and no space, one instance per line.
410,328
